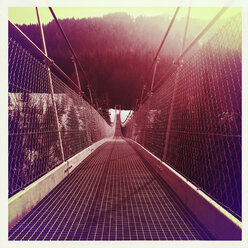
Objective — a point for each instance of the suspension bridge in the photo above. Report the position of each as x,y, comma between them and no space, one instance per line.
171,171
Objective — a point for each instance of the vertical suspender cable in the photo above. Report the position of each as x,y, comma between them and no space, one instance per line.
167,136
91,99
41,32
159,49
156,60
142,92
198,37
68,43
76,60
177,62
76,71
186,29
51,85
165,36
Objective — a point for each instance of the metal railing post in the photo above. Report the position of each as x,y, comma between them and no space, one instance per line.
47,65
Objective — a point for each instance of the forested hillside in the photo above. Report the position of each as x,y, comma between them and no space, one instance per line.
115,51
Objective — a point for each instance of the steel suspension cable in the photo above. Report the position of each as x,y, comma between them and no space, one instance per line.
186,29
68,43
160,47
41,54
165,36
183,53
72,50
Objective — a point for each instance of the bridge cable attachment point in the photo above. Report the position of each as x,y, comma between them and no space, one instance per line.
178,63
48,62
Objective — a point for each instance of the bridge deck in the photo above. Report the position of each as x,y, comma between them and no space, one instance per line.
112,195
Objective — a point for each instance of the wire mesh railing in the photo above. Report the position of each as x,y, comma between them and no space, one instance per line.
203,139
39,116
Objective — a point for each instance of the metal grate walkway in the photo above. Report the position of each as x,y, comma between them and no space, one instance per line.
113,195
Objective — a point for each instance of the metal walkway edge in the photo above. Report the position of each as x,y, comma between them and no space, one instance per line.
112,195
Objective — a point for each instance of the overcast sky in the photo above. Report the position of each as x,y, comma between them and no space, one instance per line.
27,15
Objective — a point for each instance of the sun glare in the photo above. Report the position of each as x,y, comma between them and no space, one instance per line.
27,15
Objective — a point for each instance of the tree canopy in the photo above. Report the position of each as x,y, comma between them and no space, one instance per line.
115,51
